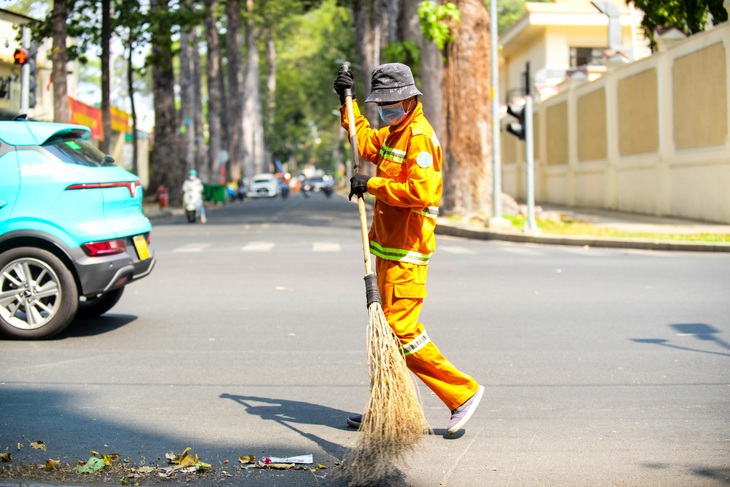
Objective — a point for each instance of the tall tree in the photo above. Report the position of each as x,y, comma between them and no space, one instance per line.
187,99
235,85
213,75
253,130
201,155
59,16
165,165
465,87
106,110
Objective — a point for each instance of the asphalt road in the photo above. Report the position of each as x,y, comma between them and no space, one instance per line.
602,367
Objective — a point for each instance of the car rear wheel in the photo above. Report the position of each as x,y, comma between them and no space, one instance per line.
38,295
93,307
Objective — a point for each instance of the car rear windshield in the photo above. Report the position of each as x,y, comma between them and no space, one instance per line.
76,151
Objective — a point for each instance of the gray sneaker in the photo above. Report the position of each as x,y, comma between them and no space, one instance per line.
462,414
354,421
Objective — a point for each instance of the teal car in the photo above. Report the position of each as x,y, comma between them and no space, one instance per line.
72,231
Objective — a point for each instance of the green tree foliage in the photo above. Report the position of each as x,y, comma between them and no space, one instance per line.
435,21
690,16
306,122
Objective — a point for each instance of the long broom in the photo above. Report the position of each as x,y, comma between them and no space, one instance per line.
393,422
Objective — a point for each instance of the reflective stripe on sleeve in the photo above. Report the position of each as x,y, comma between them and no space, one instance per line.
415,345
392,154
430,212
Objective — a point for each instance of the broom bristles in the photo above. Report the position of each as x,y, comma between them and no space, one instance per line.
393,423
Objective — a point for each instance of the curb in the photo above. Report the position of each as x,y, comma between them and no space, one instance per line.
580,241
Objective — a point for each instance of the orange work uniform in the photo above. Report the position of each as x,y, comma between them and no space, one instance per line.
407,187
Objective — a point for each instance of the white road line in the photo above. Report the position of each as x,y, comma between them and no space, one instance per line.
192,247
522,251
326,247
258,247
455,249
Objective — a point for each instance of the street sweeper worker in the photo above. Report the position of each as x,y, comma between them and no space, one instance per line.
407,187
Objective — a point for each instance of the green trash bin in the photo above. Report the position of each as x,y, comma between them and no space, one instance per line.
219,193
207,192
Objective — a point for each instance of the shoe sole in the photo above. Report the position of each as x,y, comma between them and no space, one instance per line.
475,404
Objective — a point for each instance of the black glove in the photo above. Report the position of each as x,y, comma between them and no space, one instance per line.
344,81
358,185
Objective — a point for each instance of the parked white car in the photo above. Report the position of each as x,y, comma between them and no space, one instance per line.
264,185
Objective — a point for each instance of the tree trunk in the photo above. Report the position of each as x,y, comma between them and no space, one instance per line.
106,109
432,64
165,167
130,89
213,73
235,84
467,165
271,76
187,101
366,17
253,129
201,156
61,112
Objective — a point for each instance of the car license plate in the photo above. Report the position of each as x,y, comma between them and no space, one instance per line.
140,243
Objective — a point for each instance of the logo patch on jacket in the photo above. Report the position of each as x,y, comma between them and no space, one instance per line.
424,159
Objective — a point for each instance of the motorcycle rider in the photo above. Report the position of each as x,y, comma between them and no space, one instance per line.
193,186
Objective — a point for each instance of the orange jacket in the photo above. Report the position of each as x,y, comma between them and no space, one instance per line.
407,185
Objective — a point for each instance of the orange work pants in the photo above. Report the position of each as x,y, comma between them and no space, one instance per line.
402,289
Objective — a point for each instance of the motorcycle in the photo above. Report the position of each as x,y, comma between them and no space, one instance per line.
306,188
191,203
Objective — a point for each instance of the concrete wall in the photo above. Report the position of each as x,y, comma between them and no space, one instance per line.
649,137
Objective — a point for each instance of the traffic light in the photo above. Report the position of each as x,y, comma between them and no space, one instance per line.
517,128
20,56
32,75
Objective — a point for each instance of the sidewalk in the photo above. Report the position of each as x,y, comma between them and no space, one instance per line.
629,222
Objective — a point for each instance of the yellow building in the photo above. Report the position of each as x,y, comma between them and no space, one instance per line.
643,134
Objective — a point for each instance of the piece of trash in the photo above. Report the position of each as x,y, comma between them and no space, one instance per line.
5,457
108,459
146,469
51,464
93,465
295,459
38,445
247,459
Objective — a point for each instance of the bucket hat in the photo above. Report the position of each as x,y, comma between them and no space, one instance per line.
390,83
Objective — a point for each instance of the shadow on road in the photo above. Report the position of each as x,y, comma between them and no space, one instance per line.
700,331
290,413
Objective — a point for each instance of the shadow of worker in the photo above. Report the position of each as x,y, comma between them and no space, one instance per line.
291,413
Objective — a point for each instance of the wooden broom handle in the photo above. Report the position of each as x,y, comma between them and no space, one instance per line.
360,201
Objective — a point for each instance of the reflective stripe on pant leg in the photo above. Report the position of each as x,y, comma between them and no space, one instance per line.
424,359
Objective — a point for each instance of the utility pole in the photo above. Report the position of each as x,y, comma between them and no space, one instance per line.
530,224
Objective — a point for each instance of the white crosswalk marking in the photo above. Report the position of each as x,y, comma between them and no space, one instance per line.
455,249
326,247
522,251
258,247
192,247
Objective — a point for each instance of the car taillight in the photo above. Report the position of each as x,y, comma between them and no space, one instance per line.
107,247
130,185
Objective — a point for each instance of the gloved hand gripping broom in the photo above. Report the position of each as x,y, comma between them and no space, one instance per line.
393,422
